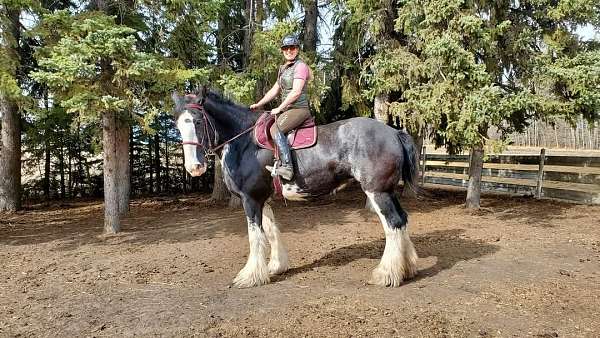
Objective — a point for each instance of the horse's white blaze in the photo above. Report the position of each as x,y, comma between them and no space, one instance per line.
279,257
255,272
399,260
185,124
293,192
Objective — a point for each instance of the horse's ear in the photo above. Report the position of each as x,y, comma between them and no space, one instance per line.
201,91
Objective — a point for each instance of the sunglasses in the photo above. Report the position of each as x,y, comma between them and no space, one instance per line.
288,48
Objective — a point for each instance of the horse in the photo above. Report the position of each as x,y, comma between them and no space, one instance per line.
361,149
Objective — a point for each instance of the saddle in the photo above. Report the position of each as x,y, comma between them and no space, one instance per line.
305,136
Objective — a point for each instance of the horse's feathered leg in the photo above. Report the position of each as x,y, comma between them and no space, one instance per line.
279,257
399,260
255,272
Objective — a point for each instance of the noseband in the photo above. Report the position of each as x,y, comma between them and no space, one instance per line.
208,126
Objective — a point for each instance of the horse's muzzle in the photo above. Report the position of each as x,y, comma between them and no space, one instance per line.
196,169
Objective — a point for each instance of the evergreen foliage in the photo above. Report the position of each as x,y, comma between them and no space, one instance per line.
457,67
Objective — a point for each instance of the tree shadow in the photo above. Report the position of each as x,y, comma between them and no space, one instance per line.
501,206
170,220
448,246
525,209
192,217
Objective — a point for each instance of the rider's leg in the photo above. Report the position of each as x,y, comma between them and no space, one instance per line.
286,122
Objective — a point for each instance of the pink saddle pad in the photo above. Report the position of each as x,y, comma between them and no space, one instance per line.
304,136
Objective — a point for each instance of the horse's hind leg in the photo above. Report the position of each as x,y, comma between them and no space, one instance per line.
279,257
399,260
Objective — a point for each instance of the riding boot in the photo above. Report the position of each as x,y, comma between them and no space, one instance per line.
285,170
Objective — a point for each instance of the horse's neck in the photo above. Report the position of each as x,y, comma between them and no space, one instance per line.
229,123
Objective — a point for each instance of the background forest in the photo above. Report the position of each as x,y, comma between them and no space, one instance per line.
85,85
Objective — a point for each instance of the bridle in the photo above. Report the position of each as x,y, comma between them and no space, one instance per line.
208,126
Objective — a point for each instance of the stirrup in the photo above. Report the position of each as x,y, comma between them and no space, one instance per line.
277,166
273,169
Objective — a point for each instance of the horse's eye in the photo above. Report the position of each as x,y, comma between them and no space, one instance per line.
187,121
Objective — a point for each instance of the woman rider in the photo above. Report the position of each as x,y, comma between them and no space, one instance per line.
293,111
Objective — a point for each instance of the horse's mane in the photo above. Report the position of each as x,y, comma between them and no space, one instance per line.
218,98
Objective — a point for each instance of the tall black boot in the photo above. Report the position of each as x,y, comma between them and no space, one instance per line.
285,170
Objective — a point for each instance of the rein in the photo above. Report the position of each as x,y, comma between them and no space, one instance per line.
209,126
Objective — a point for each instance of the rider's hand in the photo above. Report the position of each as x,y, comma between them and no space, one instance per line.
275,111
254,106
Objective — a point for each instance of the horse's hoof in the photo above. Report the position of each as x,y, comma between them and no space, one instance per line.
276,268
278,263
381,278
389,278
244,279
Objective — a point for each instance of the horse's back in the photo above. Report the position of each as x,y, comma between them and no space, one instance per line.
360,148
361,132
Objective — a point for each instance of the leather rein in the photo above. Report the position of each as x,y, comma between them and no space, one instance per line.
208,126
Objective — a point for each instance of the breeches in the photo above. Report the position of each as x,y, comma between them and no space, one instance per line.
289,120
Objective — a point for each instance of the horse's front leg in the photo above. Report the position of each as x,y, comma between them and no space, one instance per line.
279,257
255,272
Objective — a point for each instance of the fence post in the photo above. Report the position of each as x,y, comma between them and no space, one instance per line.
540,178
424,158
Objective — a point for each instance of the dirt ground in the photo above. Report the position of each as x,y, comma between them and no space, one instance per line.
518,267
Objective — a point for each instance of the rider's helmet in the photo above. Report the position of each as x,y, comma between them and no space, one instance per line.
290,40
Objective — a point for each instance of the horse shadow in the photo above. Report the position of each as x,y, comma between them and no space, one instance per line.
448,246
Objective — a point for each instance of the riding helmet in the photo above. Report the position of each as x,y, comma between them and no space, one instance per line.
290,40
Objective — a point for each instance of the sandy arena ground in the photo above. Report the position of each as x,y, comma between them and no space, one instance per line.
519,267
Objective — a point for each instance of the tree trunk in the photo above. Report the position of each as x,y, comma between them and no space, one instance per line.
475,169
69,171
220,192
150,165
157,163
88,176
262,85
112,222
418,136
167,174
61,170
123,178
184,179
235,202
47,159
81,177
10,133
132,189
248,32
10,157
311,14
380,108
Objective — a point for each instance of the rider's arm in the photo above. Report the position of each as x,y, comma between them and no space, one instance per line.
297,86
270,95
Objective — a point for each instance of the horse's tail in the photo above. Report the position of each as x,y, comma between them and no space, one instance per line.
409,163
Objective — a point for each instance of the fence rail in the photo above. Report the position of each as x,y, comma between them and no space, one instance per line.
571,178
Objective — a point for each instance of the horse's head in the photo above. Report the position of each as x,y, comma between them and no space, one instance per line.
195,128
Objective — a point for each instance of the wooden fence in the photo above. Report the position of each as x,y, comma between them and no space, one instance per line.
571,178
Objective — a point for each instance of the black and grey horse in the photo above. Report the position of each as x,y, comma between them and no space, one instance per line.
375,155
